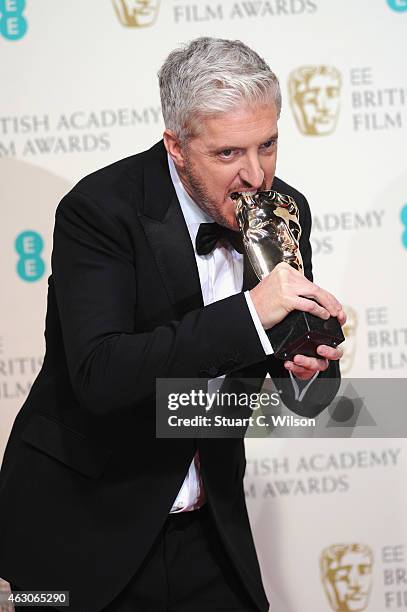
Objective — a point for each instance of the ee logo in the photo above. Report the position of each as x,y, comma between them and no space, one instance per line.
398,5
403,217
13,24
30,265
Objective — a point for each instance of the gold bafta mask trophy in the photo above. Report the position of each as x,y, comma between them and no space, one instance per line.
346,574
269,223
315,98
136,13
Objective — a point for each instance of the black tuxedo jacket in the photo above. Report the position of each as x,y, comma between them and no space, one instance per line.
85,485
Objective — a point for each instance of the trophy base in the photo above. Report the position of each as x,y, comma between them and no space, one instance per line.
300,333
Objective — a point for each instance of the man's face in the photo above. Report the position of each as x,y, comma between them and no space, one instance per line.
234,151
351,581
319,103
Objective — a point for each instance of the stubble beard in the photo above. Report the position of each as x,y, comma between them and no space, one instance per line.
199,193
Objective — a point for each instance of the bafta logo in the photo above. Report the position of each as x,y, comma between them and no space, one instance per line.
349,347
315,98
136,13
346,573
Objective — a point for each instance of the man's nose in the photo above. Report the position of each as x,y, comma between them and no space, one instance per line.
251,172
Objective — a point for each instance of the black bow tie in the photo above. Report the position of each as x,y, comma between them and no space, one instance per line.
209,235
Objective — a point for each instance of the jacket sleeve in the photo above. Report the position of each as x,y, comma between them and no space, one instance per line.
110,365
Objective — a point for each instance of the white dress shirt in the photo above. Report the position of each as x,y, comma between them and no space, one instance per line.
220,276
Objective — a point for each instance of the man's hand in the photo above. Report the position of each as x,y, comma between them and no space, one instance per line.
304,367
285,290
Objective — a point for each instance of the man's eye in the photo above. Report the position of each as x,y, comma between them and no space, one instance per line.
268,143
226,153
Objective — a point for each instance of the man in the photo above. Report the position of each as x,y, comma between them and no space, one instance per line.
91,501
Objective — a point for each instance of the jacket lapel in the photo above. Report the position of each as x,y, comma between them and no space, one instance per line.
166,231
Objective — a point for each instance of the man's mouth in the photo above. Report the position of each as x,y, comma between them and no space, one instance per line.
234,194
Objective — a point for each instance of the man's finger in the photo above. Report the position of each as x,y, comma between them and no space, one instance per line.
333,354
324,298
342,317
312,307
311,363
299,371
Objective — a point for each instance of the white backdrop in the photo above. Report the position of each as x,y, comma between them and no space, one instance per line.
79,91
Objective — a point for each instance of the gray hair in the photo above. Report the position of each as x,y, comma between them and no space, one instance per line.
210,76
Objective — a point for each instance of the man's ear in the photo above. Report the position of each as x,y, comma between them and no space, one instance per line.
174,148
